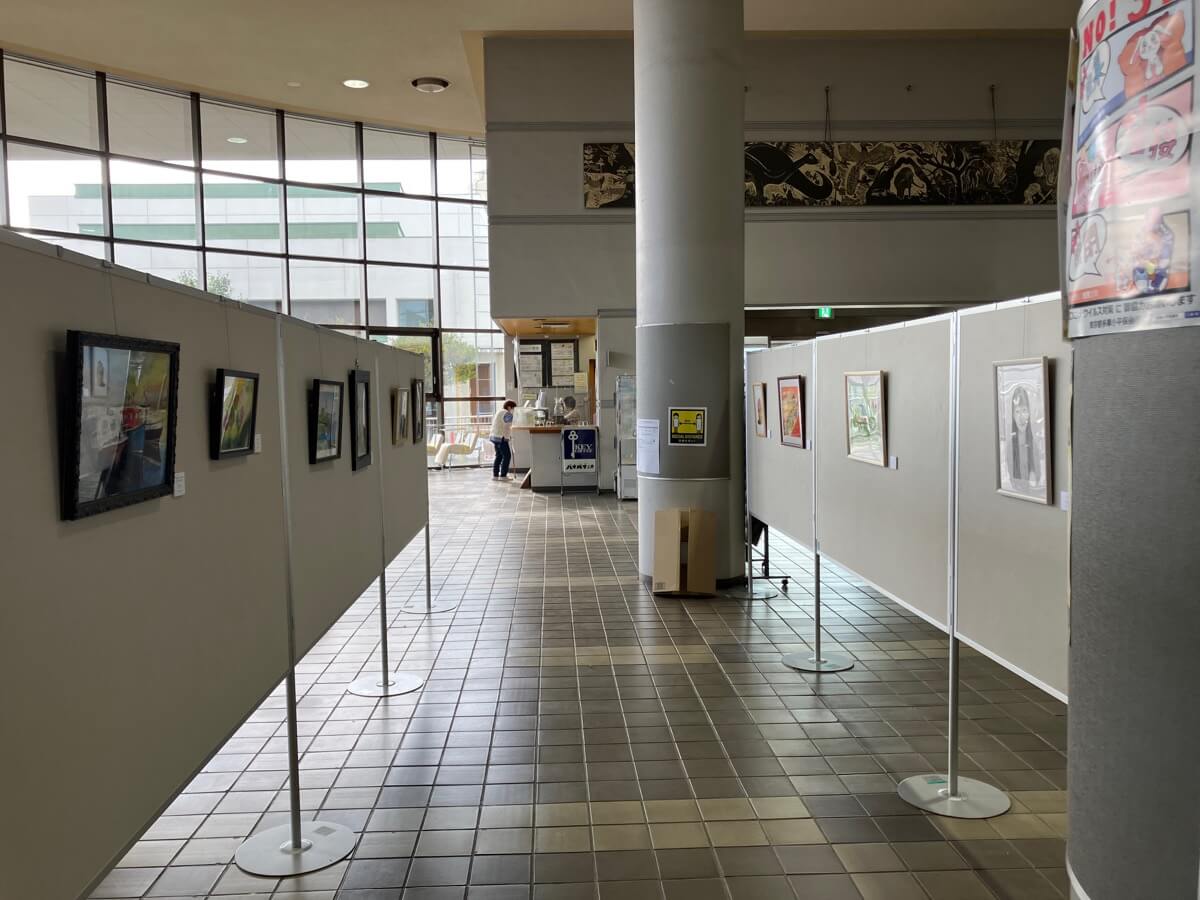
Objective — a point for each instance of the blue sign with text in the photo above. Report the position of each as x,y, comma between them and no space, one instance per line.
578,450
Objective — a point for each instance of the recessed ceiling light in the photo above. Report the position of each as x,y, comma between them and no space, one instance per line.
356,83
236,140
430,85
293,84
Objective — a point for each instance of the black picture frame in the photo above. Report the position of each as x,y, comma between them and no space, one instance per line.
216,414
314,398
418,410
360,418
114,461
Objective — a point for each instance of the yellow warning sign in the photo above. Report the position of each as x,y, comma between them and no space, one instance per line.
686,426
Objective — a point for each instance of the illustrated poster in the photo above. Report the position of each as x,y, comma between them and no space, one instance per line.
1129,247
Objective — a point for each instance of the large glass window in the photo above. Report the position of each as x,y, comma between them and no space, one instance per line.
55,190
149,123
50,104
396,161
153,203
346,225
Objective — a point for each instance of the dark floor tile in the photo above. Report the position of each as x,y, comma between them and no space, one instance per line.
508,869
445,870
824,887
376,873
850,831
748,861
630,890
563,867
834,806
626,865
694,889
907,828
809,859
961,885
697,863
765,887
1043,853
1018,884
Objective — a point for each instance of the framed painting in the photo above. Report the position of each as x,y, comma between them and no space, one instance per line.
399,416
418,410
1023,430
232,414
791,411
325,420
118,423
866,417
758,394
360,419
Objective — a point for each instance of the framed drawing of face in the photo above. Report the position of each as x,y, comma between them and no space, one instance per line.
758,393
399,416
866,417
1023,433
791,411
324,420
360,419
233,411
119,422
418,410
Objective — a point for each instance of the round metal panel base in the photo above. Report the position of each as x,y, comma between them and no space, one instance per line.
417,607
757,591
375,686
272,855
807,662
975,800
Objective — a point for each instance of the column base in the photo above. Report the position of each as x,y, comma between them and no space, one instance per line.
272,855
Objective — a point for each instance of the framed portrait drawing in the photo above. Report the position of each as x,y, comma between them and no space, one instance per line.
232,414
758,395
360,419
791,411
399,416
866,417
118,423
418,410
1023,434
324,420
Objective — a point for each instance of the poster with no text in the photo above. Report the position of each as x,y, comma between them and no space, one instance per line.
1129,247
686,426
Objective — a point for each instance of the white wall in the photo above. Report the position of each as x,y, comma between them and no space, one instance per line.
891,525
137,640
547,97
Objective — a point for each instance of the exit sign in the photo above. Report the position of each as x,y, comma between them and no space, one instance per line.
824,312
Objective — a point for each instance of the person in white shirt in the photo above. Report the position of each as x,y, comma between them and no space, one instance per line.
502,438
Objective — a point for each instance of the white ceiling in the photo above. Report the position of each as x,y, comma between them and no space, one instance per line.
250,49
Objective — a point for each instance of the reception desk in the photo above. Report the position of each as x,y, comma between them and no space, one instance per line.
558,462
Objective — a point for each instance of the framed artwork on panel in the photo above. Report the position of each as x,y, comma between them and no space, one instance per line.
324,420
399,416
866,417
418,410
118,423
758,394
232,414
360,419
791,411
1023,429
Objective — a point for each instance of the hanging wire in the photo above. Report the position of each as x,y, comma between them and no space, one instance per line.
828,133
995,125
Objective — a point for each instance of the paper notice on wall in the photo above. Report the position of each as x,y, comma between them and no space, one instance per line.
1128,242
581,382
529,370
647,446
562,372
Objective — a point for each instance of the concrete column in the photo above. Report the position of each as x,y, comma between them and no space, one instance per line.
689,100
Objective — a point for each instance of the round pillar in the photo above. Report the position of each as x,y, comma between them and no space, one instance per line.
689,100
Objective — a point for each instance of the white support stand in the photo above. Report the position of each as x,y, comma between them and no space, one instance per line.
413,607
297,847
816,661
387,683
761,589
950,794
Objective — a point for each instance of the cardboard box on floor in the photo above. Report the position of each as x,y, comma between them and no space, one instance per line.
685,552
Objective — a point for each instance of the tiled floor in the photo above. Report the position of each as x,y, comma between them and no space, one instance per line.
578,738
